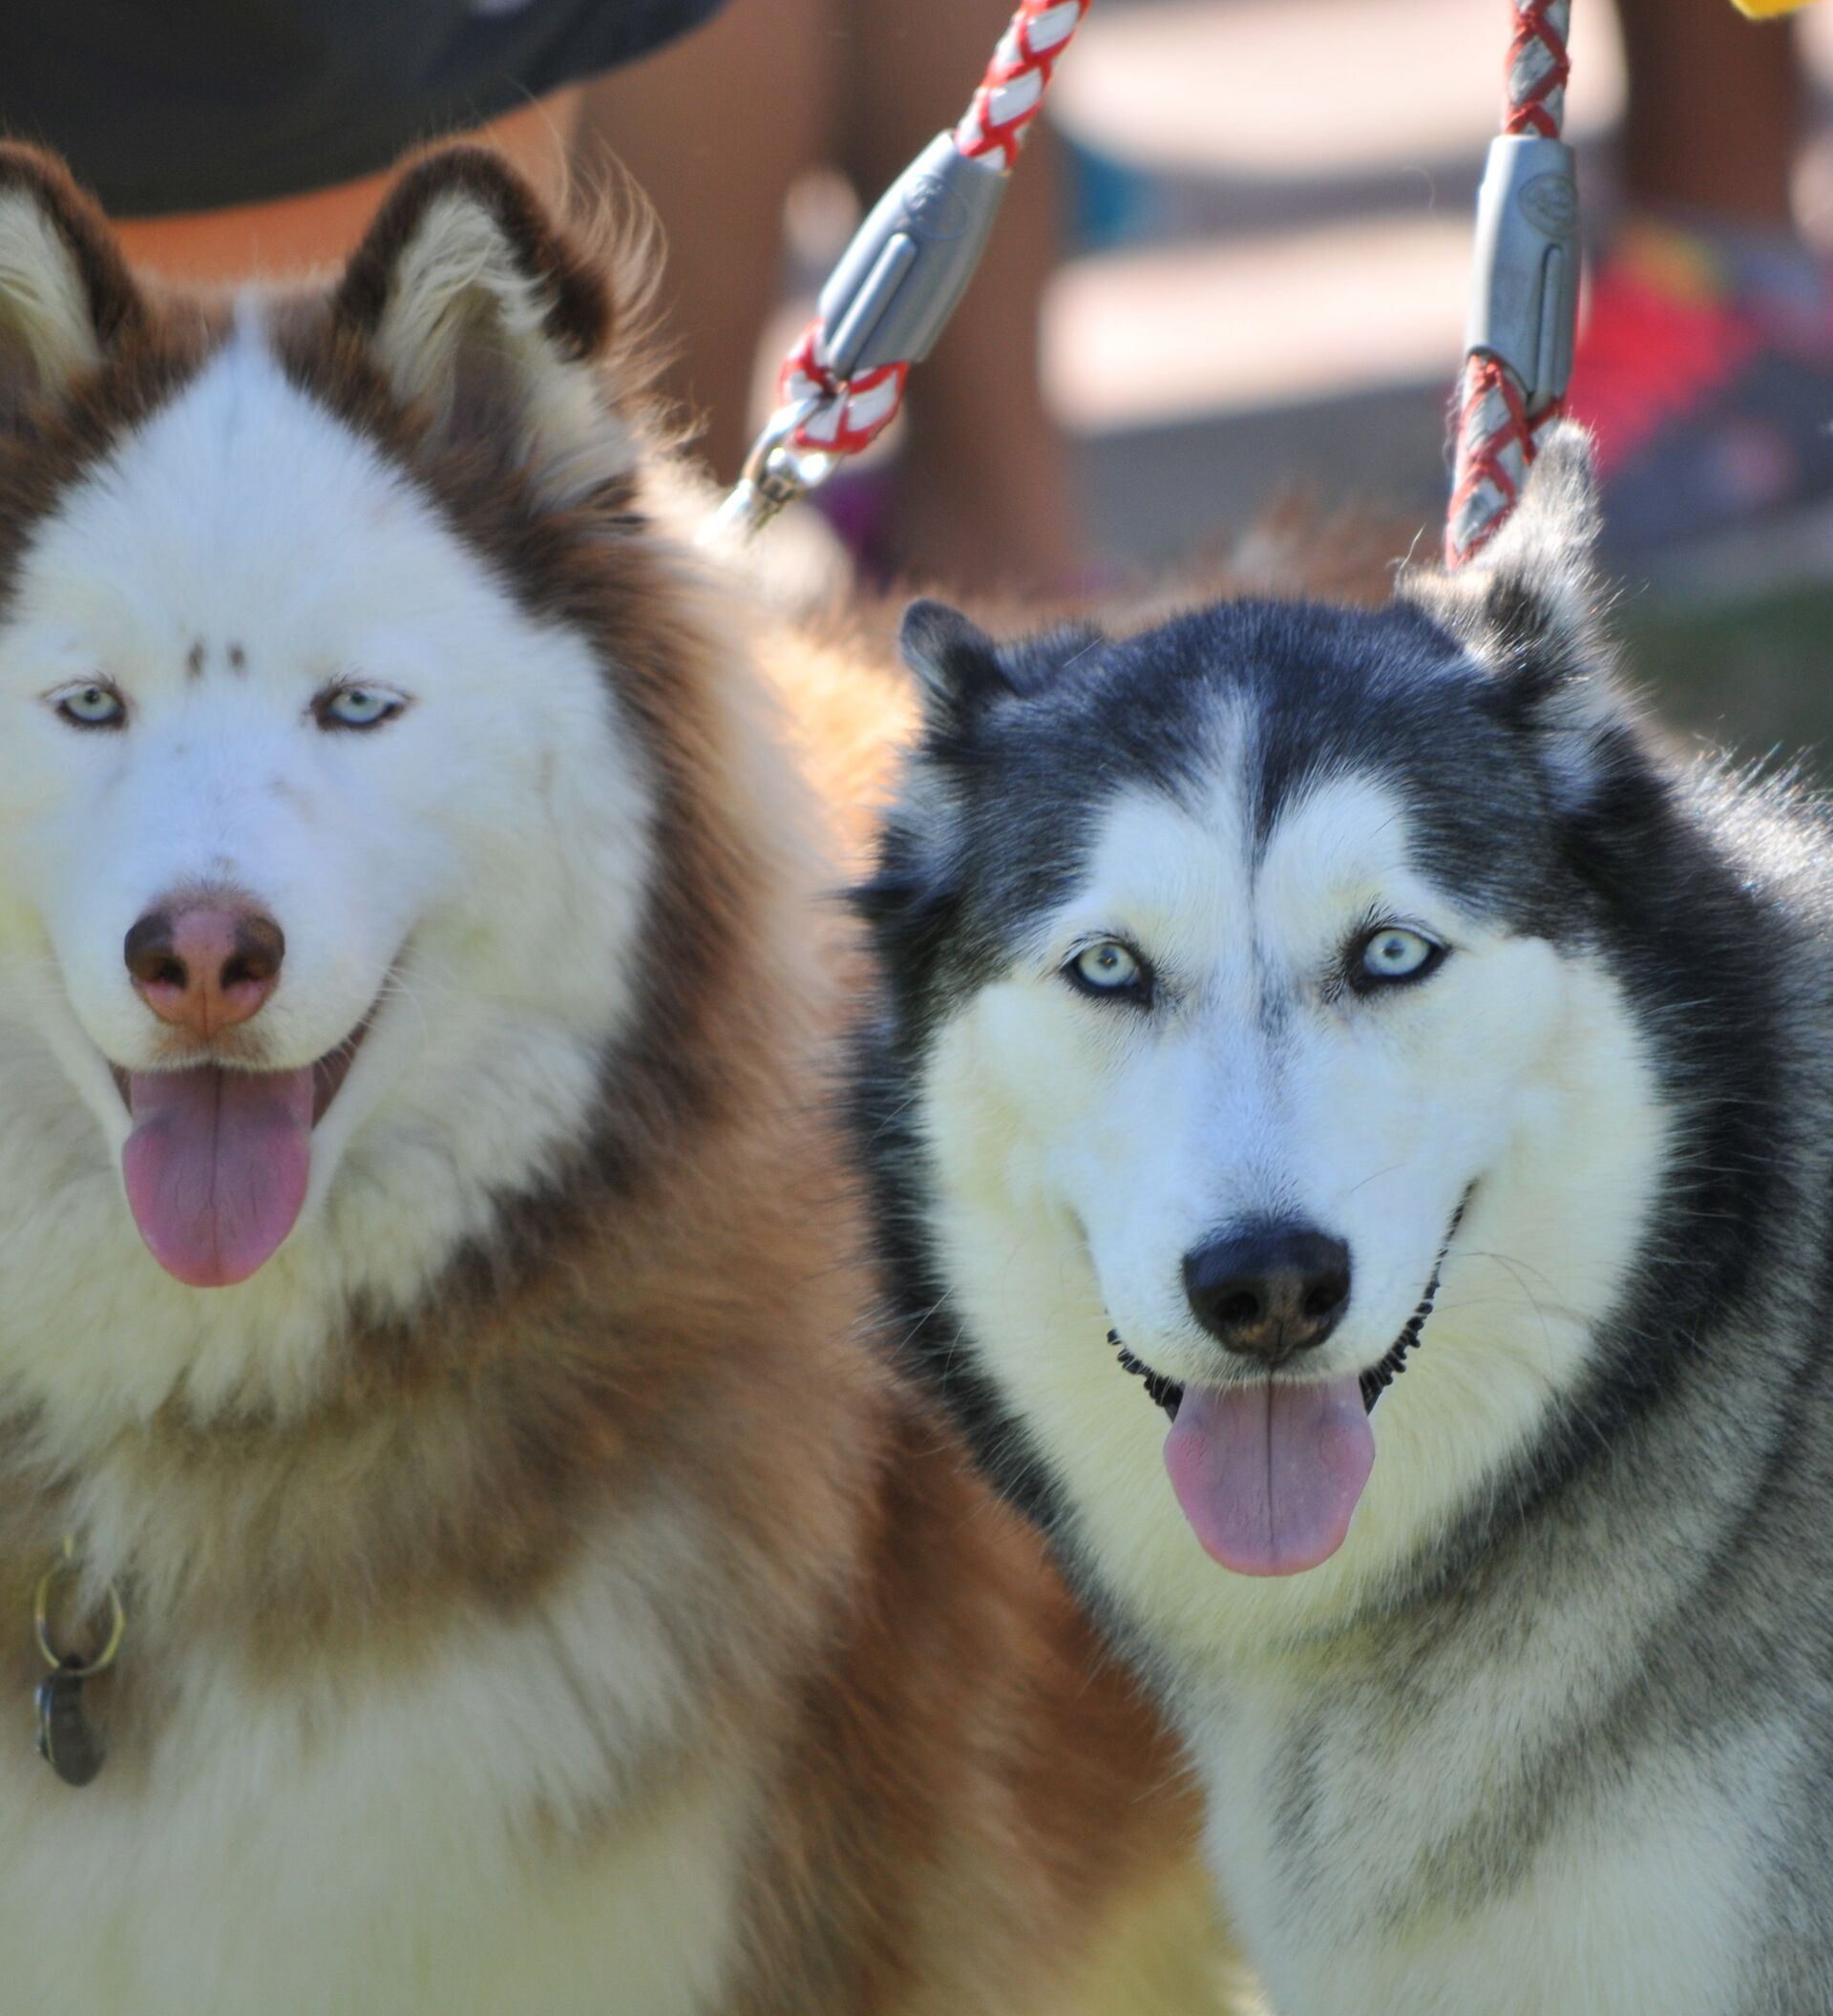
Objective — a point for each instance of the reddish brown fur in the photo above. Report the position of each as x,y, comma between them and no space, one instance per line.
149,348
114,303
962,1789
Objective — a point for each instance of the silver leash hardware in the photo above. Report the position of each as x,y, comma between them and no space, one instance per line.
901,277
67,1740
1524,310
909,264
776,471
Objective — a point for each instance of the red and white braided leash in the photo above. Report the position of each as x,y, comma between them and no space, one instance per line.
1498,433
850,415
828,411
1017,78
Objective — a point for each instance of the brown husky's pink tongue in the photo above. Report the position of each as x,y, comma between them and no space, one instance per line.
1267,1476
217,1166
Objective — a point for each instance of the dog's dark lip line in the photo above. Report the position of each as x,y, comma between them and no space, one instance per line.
1164,1393
1169,1393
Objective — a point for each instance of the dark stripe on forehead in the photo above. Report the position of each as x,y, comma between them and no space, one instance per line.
1272,1000
1397,704
1269,701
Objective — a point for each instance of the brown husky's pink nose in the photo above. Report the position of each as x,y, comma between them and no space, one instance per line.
205,966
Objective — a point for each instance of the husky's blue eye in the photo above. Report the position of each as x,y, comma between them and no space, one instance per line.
356,707
1108,968
91,705
1393,952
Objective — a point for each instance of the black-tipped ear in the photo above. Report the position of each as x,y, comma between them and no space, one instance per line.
67,300
954,659
485,315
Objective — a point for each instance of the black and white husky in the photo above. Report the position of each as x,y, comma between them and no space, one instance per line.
1286,998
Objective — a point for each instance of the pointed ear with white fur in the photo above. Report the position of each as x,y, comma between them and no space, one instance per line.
1530,609
66,301
485,317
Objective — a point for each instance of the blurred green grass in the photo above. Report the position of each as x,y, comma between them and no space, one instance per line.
1754,677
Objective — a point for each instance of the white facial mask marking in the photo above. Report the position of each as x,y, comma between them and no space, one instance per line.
1084,1150
478,864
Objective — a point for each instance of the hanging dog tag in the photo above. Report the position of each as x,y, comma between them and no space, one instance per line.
67,1738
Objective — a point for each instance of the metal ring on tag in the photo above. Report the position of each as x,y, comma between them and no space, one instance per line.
63,1566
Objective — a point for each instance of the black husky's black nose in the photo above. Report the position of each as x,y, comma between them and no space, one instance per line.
1269,1290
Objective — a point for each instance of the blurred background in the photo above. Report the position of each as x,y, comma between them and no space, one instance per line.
1273,206
1247,238
1231,269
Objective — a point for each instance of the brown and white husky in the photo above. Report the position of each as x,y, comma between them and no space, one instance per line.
434,1304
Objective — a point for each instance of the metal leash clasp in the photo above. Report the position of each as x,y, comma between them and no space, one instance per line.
1524,309
884,304
777,471
67,1738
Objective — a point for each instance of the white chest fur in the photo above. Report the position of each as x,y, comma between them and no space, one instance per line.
1636,1900
508,1824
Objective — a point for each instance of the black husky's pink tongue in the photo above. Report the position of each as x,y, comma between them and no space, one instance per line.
217,1166
1267,1476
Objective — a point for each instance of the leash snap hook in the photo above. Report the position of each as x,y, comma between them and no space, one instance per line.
777,471
1524,309
881,310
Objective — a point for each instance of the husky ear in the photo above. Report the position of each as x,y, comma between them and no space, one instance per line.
1529,607
960,668
1536,582
955,661
67,300
485,317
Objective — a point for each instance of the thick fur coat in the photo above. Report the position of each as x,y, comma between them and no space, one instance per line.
1282,996
540,1593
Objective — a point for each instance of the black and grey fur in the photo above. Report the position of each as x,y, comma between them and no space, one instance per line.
1554,1729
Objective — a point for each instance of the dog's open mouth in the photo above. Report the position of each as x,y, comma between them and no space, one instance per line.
1270,1473
219,1159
